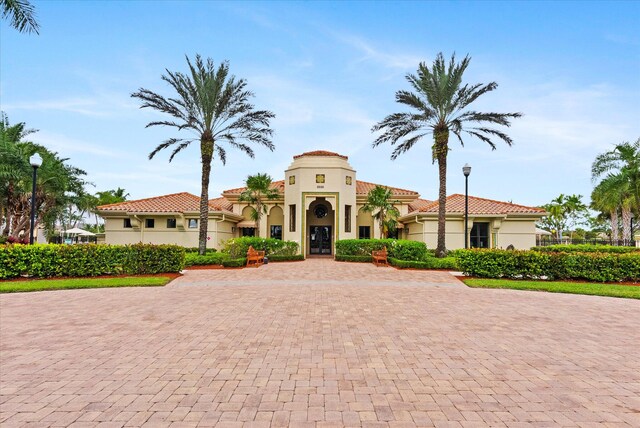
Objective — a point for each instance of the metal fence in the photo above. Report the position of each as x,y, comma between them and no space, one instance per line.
543,242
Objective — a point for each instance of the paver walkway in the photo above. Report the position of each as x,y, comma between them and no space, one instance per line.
401,348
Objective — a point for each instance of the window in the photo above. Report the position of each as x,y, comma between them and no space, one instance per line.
348,180
149,223
292,179
479,235
364,232
127,223
171,223
292,218
276,232
193,223
320,178
321,211
347,218
248,231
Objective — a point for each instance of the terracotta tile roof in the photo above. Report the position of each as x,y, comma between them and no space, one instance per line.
321,153
418,204
279,185
176,202
364,187
455,204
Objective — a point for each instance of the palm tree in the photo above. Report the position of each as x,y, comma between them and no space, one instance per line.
259,189
440,104
623,159
21,15
606,200
215,107
379,202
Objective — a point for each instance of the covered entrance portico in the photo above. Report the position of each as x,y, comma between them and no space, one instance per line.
320,219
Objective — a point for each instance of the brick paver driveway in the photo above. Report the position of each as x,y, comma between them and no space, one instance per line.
318,343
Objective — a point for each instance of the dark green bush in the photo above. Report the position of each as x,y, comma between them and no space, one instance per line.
282,258
195,259
600,267
233,263
585,248
356,259
237,247
51,260
426,263
398,248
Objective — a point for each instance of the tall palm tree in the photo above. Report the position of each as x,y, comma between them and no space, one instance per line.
440,104
21,15
379,202
215,107
623,159
258,191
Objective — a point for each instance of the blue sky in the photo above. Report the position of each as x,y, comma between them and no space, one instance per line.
329,70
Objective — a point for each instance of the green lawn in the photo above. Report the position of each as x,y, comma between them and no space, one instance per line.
590,288
67,284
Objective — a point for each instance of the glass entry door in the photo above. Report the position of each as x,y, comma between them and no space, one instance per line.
320,240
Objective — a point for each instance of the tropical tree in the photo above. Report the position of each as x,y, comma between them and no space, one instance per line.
622,160
21,15
259,190
606,199
216,108
57,182
440,106
613,194
379,203
565,212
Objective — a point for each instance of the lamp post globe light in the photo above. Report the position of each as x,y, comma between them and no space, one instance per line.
35,162
466,170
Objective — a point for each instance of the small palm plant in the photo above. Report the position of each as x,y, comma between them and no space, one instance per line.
259,190
379,202
439,107
215,107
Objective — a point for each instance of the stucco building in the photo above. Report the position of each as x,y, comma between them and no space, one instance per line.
319,202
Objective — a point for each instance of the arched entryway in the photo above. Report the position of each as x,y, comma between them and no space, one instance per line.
320,224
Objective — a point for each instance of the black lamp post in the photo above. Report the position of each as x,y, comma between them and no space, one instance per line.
35,162
466,170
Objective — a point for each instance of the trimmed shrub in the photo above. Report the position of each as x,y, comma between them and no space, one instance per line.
51,260
196,249
234,263
195,259
237,247
356,259
397,248
585,248
598,267
426,263
281,258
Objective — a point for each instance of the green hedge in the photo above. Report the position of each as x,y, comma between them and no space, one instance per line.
196,250
233,263
51,260
397,248
426,263
585,248
356,259
283,258
598,267
237,247
195,259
